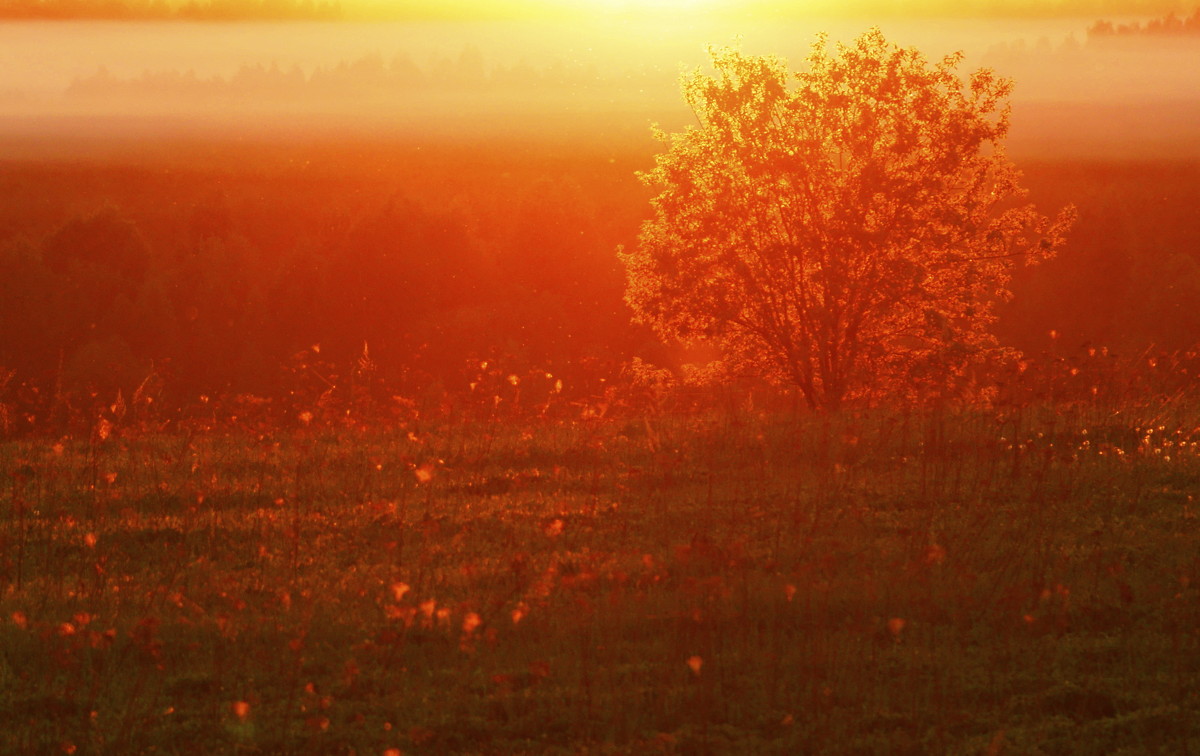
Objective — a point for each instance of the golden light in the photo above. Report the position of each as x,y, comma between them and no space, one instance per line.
539,9
690,10
645,6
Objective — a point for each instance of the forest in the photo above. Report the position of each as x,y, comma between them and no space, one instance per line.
196,278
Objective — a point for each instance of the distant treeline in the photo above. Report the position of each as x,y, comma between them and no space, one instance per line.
1079,69
222,277
193,10
1171,25
1101,33
214,279
370,73
1147,61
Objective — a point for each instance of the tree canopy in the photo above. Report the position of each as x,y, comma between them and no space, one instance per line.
846,229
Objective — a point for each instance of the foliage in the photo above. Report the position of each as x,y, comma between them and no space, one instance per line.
214,282
226,274
846,234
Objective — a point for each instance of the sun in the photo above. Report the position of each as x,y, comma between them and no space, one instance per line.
649,5
534,9
646,7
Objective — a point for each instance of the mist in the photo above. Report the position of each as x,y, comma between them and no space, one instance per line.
606,81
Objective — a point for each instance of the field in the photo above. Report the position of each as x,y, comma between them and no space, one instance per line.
390,386
589,578
379,552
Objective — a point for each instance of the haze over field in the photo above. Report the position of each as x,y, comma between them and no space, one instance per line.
604,79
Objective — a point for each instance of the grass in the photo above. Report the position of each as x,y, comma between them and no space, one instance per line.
967,581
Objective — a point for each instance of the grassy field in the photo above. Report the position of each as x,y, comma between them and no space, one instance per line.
728,581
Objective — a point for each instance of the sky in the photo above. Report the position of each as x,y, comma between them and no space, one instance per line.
757,9
525,10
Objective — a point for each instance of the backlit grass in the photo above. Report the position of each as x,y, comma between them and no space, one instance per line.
723,582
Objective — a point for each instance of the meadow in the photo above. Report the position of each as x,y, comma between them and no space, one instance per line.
379,553
326,425
499,576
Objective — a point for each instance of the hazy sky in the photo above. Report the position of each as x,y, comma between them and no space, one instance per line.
612,46
543,9
774,9
611,76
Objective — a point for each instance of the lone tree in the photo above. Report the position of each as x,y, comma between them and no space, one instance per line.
846,229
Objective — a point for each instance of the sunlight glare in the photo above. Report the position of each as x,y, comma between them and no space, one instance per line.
644,6
544,9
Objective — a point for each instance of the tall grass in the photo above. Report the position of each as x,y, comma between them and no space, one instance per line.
723,581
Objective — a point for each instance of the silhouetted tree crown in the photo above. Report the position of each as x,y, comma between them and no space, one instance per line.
846,229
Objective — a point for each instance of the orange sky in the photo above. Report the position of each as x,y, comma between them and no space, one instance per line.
601,68
534,10
529,9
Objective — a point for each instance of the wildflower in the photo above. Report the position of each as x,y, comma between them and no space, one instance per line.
471,622
320,724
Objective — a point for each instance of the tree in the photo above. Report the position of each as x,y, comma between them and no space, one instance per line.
846,229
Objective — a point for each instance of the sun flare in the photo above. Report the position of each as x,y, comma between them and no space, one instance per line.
645,6
534,9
